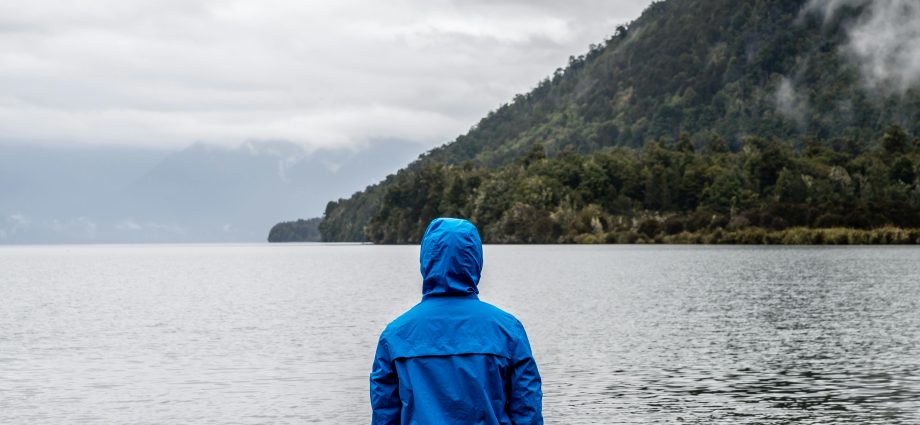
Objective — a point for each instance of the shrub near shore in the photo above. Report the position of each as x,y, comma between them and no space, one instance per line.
759,236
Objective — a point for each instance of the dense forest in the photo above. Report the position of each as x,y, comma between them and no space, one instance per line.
701,121
705,67
765,192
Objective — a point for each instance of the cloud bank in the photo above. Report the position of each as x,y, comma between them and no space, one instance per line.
789,102
884,40
316,73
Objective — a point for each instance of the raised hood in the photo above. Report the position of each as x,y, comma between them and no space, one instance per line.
451,258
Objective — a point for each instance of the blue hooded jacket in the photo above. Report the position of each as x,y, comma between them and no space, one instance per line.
453,359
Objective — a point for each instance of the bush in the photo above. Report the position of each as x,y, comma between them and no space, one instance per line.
649,227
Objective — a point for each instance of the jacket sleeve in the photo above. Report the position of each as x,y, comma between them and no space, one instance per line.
526,400
384,388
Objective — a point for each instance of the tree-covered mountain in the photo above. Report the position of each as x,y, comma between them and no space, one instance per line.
296,231
754,113
765,192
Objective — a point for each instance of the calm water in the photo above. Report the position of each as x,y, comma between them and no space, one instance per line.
284,334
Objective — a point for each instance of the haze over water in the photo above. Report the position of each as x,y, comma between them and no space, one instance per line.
199,334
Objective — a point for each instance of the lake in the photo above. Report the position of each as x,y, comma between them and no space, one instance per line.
252,334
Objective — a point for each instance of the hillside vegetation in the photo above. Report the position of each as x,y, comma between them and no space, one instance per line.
701,121
667,192
296,231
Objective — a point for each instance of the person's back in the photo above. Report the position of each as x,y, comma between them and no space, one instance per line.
453,359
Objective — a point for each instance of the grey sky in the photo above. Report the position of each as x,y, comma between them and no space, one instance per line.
335,73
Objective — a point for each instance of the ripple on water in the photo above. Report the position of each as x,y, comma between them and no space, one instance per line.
284,334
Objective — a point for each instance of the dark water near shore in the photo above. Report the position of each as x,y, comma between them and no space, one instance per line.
623,334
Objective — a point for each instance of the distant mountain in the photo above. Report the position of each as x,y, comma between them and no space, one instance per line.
296,231
203,193
697,70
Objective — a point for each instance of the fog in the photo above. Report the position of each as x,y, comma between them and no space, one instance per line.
884,40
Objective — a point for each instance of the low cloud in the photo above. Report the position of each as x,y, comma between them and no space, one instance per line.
13,224
319,74
884,40
131,225
128,226
789,102
74,226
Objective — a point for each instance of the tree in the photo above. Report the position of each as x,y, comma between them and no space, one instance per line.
684,144
895,140
724,193
536,154
717,145
657,188
902,170
790,187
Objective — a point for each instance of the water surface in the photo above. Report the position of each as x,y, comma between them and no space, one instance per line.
248,334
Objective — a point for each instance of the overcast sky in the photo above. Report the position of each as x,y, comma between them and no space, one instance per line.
332,73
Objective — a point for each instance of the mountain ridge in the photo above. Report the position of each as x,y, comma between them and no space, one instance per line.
703,70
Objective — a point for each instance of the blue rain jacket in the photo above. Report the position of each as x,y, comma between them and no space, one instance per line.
453,359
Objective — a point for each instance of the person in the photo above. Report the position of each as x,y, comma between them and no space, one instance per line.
453,359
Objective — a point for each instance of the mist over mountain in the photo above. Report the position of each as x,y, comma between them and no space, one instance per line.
721,84
203,193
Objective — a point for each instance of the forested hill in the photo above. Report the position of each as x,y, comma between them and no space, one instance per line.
729,82
705,67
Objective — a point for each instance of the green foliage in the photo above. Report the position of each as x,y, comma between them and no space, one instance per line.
895,140
296,231
663,192
803,236
680,126
694,67
345,220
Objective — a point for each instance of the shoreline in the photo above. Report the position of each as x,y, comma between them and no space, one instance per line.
793,236
759,236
